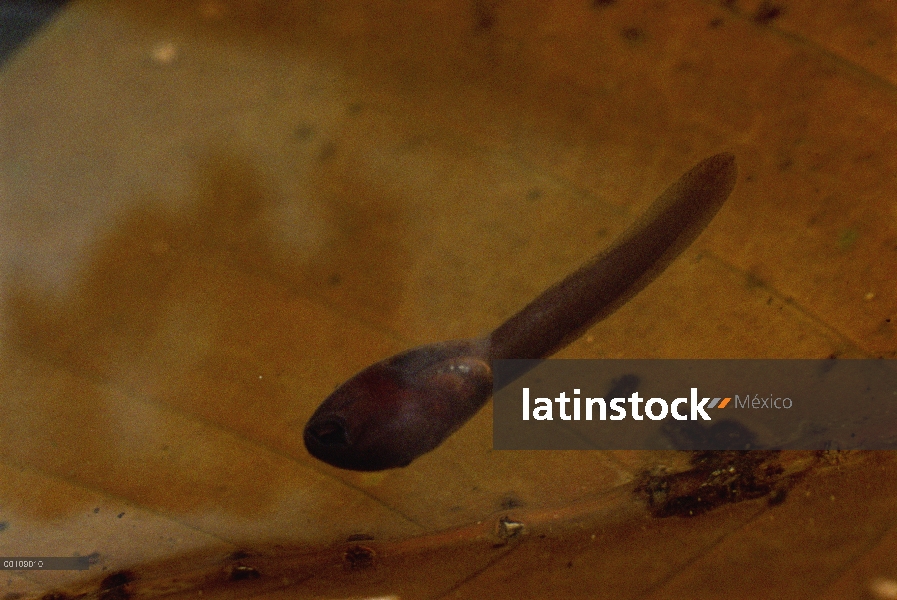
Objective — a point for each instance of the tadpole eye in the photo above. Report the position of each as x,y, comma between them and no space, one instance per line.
328,432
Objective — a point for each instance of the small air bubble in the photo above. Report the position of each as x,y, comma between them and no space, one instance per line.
165,53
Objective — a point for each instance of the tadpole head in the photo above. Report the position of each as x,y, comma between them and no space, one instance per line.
400,408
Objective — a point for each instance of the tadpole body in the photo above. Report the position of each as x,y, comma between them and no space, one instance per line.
402,407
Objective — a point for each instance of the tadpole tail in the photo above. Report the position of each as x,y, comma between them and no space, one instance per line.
605,283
